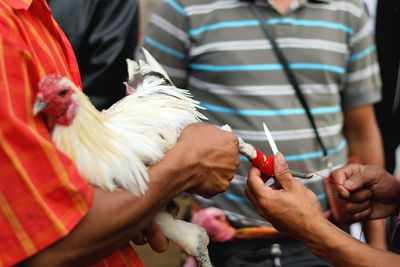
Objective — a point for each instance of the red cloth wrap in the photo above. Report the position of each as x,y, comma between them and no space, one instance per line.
264,163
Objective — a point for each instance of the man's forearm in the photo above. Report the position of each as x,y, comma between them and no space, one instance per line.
340,249
113,219
374,231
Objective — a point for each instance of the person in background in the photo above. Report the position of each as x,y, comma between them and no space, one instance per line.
49,215
217,49
370,192
103,35
388,111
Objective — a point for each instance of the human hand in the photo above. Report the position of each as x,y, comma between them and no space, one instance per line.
152,234
213,156
370,191
292,208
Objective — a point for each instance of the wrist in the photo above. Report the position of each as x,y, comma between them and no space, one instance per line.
173,173
323,237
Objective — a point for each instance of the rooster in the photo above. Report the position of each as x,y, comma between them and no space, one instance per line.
113,148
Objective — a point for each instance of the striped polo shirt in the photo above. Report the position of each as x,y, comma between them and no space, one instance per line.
218,51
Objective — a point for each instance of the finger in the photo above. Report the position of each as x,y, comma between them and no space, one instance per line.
254,171
342,174
250,195
363,215
361,176
173,208
156,239
354,208
360,180
139,239
282,173
360,196
256,184
339,177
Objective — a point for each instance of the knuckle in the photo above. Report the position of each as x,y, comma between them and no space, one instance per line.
237,162
231,138
263,202
349,207
235,140
368,211
224,186
283,172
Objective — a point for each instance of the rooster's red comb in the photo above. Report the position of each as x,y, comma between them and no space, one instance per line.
49,82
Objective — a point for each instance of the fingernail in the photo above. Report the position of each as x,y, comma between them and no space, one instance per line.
348,183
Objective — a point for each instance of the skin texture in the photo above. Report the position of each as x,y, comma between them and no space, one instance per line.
203,161
282,5
365,143
294,210
370,191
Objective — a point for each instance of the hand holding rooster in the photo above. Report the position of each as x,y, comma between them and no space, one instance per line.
211,168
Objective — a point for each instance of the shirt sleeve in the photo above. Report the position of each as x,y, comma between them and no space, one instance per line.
167,39
42,196
362,85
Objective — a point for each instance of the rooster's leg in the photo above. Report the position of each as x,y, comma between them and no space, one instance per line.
188,236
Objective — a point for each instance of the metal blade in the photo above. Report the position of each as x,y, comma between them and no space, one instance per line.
270,139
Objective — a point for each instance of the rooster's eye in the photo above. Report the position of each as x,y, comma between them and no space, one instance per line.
63,93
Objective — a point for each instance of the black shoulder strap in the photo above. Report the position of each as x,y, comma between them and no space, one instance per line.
289,73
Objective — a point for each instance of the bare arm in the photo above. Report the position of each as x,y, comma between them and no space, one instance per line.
115,217
365,143
293,209
338,248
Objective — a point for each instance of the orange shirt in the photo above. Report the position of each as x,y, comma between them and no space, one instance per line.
42,196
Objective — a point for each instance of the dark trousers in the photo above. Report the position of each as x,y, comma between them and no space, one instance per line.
263,253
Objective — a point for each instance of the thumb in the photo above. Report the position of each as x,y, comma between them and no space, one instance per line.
358,181
282,173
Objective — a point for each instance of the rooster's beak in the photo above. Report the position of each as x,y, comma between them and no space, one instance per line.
38,106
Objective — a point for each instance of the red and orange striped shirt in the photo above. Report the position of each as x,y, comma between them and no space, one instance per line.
42,195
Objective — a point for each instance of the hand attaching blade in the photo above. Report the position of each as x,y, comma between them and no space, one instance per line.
270,139
274,149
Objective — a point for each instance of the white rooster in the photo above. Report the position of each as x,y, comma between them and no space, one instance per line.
112,148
